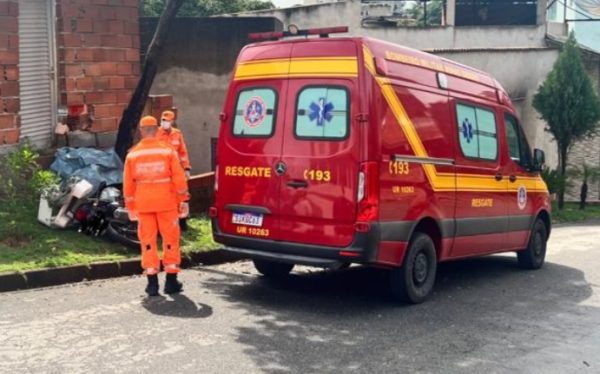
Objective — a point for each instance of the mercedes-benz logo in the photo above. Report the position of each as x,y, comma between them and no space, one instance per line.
280,168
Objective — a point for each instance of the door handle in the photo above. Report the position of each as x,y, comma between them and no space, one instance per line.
498,177
512,178
297,184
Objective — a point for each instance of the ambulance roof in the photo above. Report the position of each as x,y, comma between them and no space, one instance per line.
385,52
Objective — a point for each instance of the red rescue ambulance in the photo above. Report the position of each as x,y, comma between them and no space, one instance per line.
353,150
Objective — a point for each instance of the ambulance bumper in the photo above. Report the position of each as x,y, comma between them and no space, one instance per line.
363,249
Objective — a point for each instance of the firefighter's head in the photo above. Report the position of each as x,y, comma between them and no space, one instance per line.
148,127
167,118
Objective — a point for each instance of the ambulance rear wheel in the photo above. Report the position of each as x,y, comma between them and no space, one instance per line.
413,282
535,253
273,269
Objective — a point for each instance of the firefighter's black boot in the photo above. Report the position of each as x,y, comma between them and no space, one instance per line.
172,285
152,287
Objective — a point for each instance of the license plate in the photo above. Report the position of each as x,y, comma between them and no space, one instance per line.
248,219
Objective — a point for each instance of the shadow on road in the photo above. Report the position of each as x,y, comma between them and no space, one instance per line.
179,306
343,321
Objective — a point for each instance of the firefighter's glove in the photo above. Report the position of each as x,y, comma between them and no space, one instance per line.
132,215
187,174
184,209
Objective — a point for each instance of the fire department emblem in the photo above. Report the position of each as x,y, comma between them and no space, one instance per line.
467,130
522,197
321,111
254,111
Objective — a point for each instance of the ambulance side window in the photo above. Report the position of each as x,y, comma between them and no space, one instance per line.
517,145
255,112
322,113
477,132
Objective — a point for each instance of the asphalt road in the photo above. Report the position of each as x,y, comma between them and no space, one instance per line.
486,316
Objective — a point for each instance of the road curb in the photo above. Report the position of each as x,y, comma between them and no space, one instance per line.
101,270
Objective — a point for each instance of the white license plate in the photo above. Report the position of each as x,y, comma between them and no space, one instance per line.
248,219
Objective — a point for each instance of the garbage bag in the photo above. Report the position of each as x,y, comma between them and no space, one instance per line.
93,165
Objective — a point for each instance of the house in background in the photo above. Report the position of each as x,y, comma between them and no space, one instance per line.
65,53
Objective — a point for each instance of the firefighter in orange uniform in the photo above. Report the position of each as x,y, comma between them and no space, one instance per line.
174,137
170,135
156,194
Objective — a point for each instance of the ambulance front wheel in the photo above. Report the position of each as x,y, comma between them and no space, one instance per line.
413,281
533,256
273,269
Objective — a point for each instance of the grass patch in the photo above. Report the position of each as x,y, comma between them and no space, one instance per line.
572,213
26,244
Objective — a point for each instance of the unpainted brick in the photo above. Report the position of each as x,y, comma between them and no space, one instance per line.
117,83
11,73
12,105
132,54
9,88
8,24
9,136
9,57
71,40
101,83
92,70
7,121
85,84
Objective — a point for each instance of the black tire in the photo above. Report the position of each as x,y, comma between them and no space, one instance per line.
272,269
125,234
534,255
413,282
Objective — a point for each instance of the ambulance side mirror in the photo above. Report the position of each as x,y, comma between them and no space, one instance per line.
539,159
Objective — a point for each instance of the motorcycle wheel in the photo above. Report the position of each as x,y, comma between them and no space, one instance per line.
123,233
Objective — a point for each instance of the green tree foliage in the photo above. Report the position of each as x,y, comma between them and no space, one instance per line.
204,8
567,102
434,12
554,181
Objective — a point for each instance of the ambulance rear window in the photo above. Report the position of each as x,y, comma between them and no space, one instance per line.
255,112
477,132
322,113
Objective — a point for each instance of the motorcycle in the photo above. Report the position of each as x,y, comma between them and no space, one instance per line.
105,214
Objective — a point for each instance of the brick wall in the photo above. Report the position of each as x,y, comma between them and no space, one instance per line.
9,74
98,50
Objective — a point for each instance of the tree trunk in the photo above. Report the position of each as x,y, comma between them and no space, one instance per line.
133,112
583,195
562,164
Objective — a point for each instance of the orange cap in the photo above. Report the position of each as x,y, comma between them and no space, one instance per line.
148,121
168,115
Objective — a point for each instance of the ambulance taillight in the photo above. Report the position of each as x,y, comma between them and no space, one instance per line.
367,195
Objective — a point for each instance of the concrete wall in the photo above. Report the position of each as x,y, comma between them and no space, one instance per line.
195,68
349,14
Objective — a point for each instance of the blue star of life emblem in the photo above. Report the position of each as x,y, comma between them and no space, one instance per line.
467,130
321,112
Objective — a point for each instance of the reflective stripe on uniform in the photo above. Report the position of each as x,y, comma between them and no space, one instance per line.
149,181
150,152
151,271
182,192
129,198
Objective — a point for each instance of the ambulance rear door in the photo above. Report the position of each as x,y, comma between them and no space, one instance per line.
252,134
320,150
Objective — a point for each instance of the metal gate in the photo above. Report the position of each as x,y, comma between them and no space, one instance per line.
37,71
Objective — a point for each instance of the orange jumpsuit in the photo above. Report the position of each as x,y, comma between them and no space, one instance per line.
154,185
174,137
